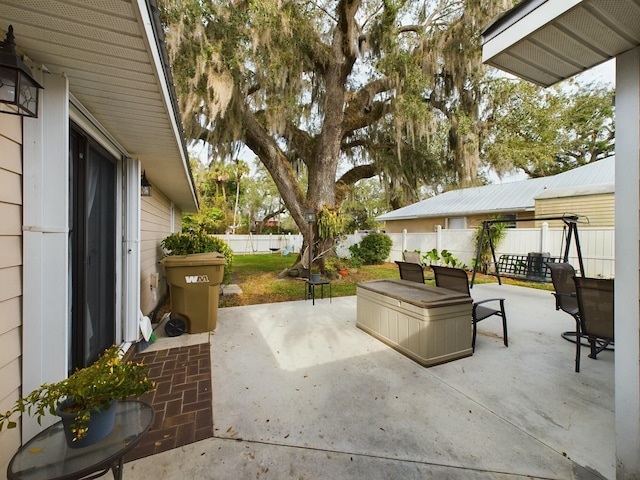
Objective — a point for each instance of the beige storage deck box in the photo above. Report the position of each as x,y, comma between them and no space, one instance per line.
430,325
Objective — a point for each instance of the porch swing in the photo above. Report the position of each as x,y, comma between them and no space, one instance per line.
570,233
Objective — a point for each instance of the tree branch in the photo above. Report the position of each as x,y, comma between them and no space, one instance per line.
351,177
276,163
301,141
362,110
358,173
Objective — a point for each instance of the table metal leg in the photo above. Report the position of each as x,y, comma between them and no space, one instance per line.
116,469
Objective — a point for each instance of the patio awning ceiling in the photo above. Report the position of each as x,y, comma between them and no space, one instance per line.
109,50
546,41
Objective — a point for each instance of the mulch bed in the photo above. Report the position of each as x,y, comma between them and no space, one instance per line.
182,400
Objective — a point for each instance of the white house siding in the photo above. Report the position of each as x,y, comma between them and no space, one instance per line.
10,275
159,218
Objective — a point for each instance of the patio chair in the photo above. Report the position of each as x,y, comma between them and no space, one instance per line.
411,271
456,279
595,304
412,257
562,275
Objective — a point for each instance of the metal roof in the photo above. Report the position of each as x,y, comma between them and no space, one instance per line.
505,197
546,41
113,54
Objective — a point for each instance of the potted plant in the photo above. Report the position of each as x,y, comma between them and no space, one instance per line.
338,265
199,241
85,394
355,263
315,274
342,268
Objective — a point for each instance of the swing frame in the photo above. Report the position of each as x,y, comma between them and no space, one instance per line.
571,232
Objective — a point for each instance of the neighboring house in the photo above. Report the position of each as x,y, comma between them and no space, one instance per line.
79,246
587,190
545,41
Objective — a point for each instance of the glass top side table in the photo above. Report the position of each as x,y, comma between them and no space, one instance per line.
47,455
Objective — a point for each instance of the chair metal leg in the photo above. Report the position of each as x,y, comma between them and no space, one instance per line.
578,345
473,339
504,324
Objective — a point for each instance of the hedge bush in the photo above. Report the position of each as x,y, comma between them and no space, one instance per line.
198,241
373,249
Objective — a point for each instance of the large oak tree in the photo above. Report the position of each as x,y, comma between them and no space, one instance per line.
349,88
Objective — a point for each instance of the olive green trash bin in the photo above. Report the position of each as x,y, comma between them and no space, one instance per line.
194,286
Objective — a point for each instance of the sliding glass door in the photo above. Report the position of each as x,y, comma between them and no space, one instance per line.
92,248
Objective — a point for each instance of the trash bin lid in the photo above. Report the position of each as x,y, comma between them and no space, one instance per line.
193,260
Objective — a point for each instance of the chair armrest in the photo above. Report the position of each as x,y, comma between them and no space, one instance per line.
559,296
501,300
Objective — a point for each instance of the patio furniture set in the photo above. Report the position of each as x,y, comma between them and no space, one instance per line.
412,318
590,302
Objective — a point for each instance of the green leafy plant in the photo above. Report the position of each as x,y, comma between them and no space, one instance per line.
497,231
446,257
336,264
199,241
452,261
432,256
355,262
330,223
373,249
109,378
332,264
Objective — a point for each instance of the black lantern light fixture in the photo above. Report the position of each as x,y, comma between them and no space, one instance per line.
145,185
311,216
18,90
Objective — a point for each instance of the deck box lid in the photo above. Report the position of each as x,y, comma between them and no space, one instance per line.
425,296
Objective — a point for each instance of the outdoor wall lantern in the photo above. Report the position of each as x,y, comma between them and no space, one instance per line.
145,185
311,216
18,90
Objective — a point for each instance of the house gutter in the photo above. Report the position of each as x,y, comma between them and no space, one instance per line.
456,214
154,14
506,19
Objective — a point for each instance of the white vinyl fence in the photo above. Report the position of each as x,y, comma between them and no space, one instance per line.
597,245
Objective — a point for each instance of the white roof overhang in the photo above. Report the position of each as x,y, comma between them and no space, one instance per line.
546,41
113,54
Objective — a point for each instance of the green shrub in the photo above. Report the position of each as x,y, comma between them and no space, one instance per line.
198,241
372,249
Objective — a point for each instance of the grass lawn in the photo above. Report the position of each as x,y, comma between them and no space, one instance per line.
261,278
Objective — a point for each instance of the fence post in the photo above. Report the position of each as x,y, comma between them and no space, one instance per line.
544,235
438,229
404,242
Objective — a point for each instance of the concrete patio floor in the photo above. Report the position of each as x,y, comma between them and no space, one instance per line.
301,392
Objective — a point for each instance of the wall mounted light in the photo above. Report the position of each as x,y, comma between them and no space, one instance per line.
145,185
18,90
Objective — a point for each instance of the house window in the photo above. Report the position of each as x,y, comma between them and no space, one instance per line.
457,223
510,219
